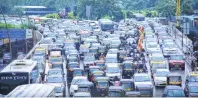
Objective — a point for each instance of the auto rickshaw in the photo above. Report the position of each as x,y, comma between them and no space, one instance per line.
116,91
102,85
121,55
91,70
96,74
128,69
78,72
174,79
100,63
132,94
127,84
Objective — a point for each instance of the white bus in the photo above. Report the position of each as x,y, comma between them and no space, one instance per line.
106,25
33,90
17,73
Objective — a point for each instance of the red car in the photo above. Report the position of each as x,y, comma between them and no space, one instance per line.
177,61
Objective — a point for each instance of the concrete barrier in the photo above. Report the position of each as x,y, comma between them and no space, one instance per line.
38,37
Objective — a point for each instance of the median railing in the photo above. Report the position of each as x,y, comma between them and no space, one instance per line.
38,37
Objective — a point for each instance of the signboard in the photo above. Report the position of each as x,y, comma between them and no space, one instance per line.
28,33
88,11
14,33
14,78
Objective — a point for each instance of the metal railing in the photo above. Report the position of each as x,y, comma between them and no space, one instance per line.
37,34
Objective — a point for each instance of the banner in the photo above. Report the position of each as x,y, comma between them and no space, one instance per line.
14,33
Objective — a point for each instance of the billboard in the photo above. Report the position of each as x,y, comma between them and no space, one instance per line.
14,33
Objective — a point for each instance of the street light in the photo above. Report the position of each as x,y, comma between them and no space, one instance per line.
10,44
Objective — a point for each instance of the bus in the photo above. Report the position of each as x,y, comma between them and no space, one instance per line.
106,25
139,17
18,72
33,90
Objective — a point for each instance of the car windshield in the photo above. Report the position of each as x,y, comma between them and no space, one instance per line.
111,60
55,59
193,79
115,42
54,72
113,70
103,84
142,79
126,86
194,89
162,73
89,59
54,79
78,81
176,57
114,94
78,72
99,64
174,78
157,58
171,45
175,93
128,66
152,45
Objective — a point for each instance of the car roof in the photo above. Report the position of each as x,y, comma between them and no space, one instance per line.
80,77
112,65
141,74
192,84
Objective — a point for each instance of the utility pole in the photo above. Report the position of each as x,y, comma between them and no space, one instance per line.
10,44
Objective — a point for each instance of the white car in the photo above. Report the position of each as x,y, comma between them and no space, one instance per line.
141,79
76,81
113,70
160,77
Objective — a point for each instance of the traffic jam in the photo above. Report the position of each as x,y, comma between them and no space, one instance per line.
102,58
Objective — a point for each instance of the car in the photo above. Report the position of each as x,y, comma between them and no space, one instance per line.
191,77
56,62
58,81
77,80
160,77
173,91
82,94
112,71
176,61
88,60
191,90
169,48
143,84
152,46
115,43
111,58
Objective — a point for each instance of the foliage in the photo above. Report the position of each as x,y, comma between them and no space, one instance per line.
52,16
106,17
71,15
3,25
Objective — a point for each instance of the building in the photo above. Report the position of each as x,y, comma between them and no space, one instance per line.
36,10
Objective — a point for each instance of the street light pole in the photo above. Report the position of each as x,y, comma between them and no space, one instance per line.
10,44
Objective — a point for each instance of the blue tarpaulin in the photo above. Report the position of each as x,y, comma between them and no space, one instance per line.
14,33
